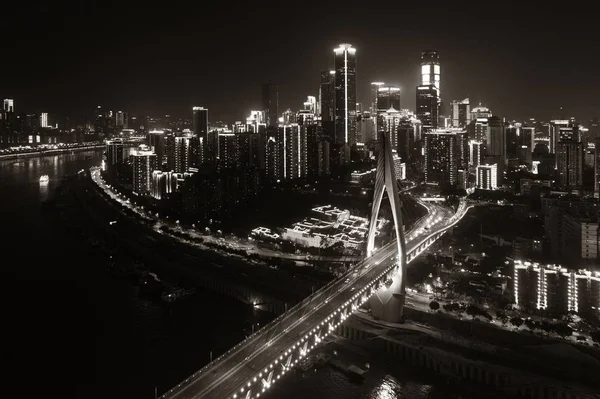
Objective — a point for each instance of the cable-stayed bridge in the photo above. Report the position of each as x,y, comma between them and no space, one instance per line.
249,369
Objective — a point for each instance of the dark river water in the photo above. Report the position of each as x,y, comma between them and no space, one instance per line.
72,330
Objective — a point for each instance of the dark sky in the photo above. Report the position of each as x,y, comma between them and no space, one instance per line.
162,57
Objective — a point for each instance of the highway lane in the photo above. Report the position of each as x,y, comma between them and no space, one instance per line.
244,361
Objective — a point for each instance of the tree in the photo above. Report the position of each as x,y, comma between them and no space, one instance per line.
433,305
529,323
563,329
516,321
473,311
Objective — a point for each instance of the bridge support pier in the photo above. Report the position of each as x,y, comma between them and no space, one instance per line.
388,302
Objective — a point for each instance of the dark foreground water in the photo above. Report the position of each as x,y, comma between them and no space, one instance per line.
71,330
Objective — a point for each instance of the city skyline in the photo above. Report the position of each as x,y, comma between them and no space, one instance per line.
154,73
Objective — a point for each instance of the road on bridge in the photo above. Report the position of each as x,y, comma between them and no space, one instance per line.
242,363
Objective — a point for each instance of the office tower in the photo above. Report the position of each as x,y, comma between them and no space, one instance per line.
495,145
365,128
430,70
513,143
200,123
44,119
463,152
374,94
345,94
427,107
327,95
144,163
388,97
121,120
487,177
461,112
156,143
270,102
441,166
555,132
526,143
480,112
406,140
389,121
569,159
9,105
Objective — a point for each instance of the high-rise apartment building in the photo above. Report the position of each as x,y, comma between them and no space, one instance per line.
345,94
156,143
44,119
441,160
486,176
121,120
270,103
555,132
144,163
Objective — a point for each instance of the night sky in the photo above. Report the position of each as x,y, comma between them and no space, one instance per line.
162,57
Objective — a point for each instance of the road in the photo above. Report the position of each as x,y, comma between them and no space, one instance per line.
243,362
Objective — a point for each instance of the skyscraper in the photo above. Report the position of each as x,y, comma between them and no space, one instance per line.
9,105
200,122
44,119
345,94
327,95
441,160
461,111
144,163
270,102
569,158
430,69
374,93
427,106
388,97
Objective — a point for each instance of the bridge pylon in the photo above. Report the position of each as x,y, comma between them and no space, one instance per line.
388,302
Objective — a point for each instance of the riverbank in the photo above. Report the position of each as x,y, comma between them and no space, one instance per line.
263,287
531,368
46,152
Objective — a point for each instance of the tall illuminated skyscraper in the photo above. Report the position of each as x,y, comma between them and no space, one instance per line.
270,103
44,119
388,97
345,94
428,92
9,105
327,95
430,69
374,96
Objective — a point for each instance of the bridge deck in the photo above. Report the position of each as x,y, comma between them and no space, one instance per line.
243,362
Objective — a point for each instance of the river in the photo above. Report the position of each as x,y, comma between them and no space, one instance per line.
72,330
